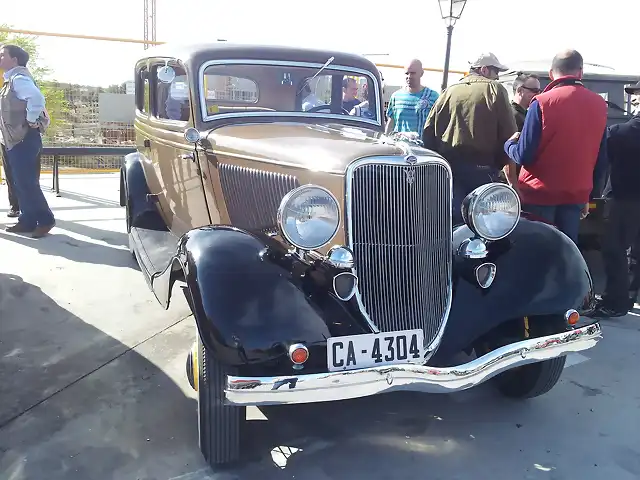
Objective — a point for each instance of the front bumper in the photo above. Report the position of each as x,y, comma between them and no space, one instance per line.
332,386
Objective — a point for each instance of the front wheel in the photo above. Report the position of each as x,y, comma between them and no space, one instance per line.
531,380
219,425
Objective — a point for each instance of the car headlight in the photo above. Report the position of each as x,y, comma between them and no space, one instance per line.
308,217
492,210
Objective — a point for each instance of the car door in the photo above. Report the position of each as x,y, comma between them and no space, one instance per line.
176,162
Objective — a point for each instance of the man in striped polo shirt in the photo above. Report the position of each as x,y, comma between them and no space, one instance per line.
409,107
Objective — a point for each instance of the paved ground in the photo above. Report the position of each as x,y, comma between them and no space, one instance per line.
92,386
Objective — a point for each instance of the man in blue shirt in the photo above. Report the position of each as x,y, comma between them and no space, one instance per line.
409,107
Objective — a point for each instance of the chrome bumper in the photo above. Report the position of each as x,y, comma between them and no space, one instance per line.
332,386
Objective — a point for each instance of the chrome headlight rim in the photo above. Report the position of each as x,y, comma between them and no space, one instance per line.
470,203
285,201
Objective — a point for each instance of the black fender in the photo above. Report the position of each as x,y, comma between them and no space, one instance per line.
251,298
539,271
134,193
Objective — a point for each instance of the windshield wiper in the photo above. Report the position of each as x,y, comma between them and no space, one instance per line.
306,82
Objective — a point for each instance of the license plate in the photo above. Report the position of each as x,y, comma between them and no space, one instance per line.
372,349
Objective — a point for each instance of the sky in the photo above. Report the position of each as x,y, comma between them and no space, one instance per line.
514,31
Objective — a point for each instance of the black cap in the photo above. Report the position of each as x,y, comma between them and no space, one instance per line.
634,89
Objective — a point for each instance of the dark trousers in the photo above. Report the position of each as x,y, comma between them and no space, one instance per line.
565,217
621,232
24,162
13,198
466,178
635,265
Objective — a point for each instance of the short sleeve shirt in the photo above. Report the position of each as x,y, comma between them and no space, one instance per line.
409,111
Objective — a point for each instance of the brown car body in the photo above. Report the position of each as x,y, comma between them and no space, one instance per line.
363,286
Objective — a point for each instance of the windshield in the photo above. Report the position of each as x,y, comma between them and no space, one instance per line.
286,89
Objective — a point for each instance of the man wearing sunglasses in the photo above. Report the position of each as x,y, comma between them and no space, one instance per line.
525,86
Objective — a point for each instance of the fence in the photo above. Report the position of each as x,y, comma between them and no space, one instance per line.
58,153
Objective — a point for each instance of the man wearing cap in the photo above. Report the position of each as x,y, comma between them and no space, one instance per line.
623,224
562,147
468,126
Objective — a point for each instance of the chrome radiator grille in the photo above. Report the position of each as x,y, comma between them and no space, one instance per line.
253,196
399,227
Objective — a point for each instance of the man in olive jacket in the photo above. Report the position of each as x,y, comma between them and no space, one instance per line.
468,126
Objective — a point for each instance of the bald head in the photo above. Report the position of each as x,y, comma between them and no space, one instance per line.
567,62
414,63
413,74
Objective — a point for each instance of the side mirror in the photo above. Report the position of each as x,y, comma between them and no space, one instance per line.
192,135
166,74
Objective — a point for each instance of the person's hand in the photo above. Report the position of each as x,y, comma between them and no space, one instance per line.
584,212
514,137
515,187
33,125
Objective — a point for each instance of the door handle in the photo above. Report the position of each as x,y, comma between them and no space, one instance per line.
188,156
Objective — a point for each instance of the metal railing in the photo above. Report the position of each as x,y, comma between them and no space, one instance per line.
57,152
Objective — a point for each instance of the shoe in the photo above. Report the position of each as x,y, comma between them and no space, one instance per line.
603,311
13,213
19,228
41,231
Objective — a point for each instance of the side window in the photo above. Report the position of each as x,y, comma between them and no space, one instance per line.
172,99
143,91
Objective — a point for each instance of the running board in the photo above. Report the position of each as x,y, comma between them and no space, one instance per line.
154,251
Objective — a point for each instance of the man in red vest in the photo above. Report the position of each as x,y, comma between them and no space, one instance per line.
562,147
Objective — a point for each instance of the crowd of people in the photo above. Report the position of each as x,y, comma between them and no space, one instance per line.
551,145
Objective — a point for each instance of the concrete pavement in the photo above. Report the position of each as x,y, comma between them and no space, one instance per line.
92,385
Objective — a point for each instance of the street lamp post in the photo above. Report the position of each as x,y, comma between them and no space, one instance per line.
451,11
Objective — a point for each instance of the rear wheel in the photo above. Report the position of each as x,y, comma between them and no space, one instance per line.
124,198
220,425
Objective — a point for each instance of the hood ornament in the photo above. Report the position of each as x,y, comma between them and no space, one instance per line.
409,171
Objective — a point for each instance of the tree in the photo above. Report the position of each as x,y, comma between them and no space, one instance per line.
54,96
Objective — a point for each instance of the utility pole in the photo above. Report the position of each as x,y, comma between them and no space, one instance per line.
149,18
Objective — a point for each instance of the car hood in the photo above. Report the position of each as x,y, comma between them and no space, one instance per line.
325,147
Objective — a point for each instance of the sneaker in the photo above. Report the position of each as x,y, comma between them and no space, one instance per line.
13,213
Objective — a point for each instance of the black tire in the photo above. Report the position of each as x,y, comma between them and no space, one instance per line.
127,213
219,425
531,380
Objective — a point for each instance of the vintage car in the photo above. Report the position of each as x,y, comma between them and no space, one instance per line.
319,256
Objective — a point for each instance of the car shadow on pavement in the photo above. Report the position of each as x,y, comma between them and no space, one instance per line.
62,245
79,404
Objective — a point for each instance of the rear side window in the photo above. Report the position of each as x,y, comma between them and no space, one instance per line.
143,91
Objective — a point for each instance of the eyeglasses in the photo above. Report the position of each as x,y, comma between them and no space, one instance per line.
532,90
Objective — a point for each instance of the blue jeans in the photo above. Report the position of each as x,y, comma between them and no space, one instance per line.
565,217
25,165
